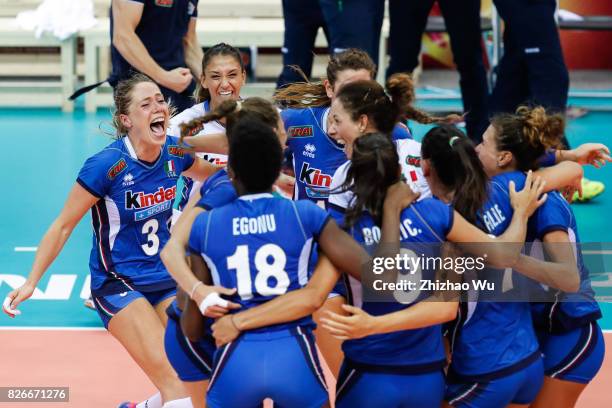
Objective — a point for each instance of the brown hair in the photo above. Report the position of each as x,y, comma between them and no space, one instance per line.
527,134
374,168
123,98
385,110
233,111
454,159
305,94
202,94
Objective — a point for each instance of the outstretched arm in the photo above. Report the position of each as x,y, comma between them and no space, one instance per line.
79,201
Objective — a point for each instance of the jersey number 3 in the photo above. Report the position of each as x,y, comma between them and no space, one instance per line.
270,261
150,230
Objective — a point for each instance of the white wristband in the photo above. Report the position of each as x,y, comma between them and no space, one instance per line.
213,299
6,305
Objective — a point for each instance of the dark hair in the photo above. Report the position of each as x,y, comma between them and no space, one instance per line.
202,94
374,167
528,134
234,111
255,155
454,159
122,96
385,110
305,94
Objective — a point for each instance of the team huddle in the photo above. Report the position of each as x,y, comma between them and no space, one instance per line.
241,282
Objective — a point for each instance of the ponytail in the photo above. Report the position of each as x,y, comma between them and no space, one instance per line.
528,134
456,164
374,167
234,111
312,94
401,89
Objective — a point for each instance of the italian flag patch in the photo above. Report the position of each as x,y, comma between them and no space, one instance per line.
169,167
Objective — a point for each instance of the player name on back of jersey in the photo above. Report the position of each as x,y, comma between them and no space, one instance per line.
255,225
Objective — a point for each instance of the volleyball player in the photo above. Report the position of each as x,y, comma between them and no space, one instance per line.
129,187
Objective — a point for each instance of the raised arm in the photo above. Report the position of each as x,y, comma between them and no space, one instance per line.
126,16
211,143
193,50
79,201
504,250
561,272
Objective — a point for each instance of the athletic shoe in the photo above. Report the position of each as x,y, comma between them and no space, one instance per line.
89,303
590,190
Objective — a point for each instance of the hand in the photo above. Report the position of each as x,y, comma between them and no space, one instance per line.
225,330
15,297
355,326
595,154
569,190
400,196
285,183
527,199
177,79
219,307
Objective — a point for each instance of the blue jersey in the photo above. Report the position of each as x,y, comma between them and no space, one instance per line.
421,350
217,191
316,156
260,245
131,217
569,310
494,339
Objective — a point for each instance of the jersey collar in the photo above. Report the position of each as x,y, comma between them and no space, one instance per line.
251,197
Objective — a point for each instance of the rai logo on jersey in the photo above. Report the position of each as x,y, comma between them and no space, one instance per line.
170,169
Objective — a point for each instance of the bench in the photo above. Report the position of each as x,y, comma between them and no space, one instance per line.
43,94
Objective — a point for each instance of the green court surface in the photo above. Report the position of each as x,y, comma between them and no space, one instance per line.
44,151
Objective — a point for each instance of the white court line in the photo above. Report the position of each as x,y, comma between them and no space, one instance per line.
602,252
25,249
51,328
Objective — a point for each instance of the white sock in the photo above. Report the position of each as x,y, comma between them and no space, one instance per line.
154,401
179,403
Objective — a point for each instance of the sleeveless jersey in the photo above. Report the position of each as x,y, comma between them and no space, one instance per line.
260,245
130,219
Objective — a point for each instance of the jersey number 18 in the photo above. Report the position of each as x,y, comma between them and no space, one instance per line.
265,270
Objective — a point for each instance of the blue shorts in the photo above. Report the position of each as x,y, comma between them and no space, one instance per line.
520,387
109,305
358,388
282,365
574,356
192,361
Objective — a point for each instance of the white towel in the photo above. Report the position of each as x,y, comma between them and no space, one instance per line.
60,18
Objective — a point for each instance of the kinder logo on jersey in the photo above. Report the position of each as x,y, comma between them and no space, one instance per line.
116,169
164,3
309,150
300,131
152,204
177,151
217,160
313,177
141,199
413,161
